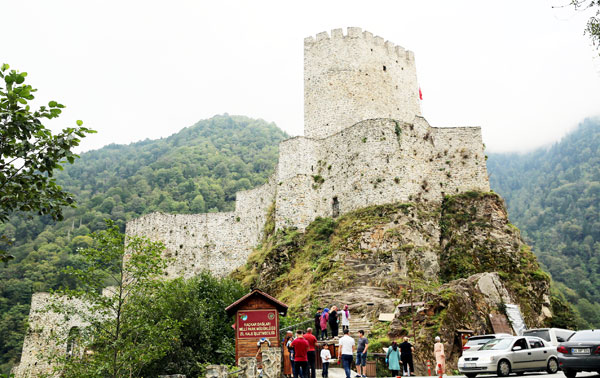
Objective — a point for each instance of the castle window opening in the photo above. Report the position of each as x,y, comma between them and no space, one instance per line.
335,207
384,68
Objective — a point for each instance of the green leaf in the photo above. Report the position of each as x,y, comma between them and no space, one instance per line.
79,122
52,104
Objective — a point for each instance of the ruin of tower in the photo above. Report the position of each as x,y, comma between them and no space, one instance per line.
353,77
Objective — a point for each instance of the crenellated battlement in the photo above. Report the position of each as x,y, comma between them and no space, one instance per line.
356,76
394,51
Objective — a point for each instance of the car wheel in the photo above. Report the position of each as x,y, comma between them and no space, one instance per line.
552,366
504,368
471,375
570,373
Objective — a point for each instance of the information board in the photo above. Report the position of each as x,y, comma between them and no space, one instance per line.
254,324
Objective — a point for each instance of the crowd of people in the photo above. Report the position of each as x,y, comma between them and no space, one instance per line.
300,352
333,318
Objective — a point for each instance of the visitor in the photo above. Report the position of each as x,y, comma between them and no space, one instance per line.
291,349
440,357
325,357
288,357
361,354
324,321
300,346
333,321
406,355
345,351
392,359
345,318
318,323
312,352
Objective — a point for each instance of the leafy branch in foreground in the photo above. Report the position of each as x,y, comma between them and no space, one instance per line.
592,28
29,152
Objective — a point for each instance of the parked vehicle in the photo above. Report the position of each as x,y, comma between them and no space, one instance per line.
475,342
554,336
514,354
580,353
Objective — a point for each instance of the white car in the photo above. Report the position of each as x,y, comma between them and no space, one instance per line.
515,354
554,336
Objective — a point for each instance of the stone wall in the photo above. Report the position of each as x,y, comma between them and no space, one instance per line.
46,335
214,242
353,77
376,162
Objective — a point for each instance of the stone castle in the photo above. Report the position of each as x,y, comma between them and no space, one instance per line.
365,144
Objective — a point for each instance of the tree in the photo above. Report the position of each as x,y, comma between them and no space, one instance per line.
592,27
205,335
122,333
29,152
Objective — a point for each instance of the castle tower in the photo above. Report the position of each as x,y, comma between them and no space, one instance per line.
354,77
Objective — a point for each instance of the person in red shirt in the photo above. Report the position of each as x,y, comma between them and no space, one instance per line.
300,346
312,353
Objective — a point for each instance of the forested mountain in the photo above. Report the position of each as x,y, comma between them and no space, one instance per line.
196,170
553,196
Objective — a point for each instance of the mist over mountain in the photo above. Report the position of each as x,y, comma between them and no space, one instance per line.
553,196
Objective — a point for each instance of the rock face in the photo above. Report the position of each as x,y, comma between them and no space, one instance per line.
460,257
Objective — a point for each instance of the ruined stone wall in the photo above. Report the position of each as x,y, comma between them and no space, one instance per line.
376,162
45,336
460,159
353,77
214,242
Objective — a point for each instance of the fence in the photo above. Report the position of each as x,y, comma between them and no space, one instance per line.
302,325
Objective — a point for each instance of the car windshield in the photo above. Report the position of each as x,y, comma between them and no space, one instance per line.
497,344
541,333
586,336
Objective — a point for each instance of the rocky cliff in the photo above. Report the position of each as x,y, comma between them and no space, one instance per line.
460,257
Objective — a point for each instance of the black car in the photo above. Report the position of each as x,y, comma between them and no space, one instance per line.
580,353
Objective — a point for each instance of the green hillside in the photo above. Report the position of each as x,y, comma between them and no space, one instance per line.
196,170
553,196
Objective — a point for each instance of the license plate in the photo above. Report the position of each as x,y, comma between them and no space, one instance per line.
581,350
470,364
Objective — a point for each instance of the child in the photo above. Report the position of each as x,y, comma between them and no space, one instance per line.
325,357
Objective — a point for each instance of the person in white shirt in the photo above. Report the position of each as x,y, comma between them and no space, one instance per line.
325,357
345,318
346,351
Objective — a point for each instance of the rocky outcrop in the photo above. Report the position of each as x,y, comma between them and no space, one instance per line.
461,259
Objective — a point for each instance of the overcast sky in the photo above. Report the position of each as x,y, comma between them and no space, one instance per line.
132,70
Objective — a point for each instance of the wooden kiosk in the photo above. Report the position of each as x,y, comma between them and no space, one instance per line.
256,316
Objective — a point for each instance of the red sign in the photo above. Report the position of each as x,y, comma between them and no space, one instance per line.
254,324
